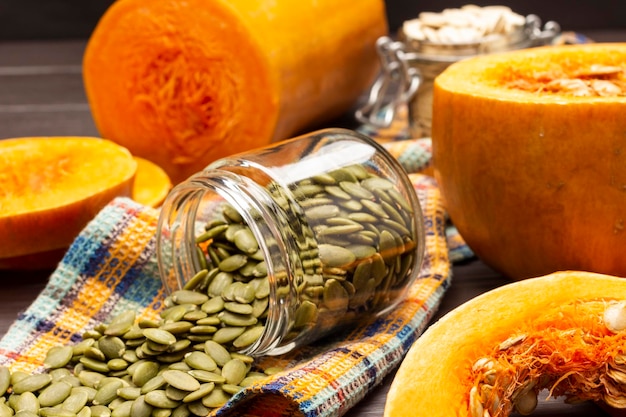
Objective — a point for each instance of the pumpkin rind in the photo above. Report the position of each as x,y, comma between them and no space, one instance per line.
52,187
185,83
534,181
433,379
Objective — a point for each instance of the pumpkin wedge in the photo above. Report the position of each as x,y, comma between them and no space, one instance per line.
529,148
51,188
564,333
183,83
151,183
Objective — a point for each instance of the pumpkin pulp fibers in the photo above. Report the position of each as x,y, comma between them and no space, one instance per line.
568,351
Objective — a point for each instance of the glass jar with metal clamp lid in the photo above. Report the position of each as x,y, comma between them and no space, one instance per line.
411,63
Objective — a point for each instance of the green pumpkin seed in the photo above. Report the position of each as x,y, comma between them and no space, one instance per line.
158,398
202,391
123,410
234,371
335,256
232,319
100,411
107,393
189,297
55,394
31,383
27,401
198,409
217,352
200,360
140,408
233,262
160,336
129,393
306,314
121,323
76,401
207,376
181,380
248,337
144,372
55,412
211,233
156,382
215,399
57,357
5,379
226,335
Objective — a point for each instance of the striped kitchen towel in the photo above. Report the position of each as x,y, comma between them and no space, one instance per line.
111,267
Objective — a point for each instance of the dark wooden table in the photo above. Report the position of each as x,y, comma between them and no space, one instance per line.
41,94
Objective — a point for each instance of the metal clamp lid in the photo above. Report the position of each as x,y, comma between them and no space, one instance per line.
396,85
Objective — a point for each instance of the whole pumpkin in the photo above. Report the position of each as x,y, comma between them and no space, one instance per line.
529,148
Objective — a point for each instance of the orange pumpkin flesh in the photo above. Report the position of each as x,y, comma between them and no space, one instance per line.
185,83
52,187
534,172
151,184
541,333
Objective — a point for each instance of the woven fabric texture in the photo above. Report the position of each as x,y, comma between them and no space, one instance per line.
112,267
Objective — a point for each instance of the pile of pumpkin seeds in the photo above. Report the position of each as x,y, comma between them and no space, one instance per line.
356,249
135,368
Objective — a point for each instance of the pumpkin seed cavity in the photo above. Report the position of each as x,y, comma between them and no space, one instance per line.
546,356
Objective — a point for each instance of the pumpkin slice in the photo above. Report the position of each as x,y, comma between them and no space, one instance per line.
185,83
151,183
564,333
51,188
529,148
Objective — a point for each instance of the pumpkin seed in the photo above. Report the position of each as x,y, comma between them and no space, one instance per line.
202,391
200,360
181,380
189,297
31,383
27,401
54,394
121,323
215,399
158,398
140,408
57,357
107,392
5,379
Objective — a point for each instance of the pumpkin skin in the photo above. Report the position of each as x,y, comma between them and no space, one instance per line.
183,83
52,187
534,181
434,378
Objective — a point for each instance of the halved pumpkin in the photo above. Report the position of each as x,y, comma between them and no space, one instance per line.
529,148
51,188
564,333
151,183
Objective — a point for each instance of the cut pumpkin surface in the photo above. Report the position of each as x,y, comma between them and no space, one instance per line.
183,83
53,186
152,184
564,334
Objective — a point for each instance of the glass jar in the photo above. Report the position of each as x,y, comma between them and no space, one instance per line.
295,240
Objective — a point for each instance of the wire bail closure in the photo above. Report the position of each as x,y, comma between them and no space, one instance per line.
396,85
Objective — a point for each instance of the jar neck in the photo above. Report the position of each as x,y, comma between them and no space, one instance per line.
195,202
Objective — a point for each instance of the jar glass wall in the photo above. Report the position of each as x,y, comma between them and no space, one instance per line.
293,241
